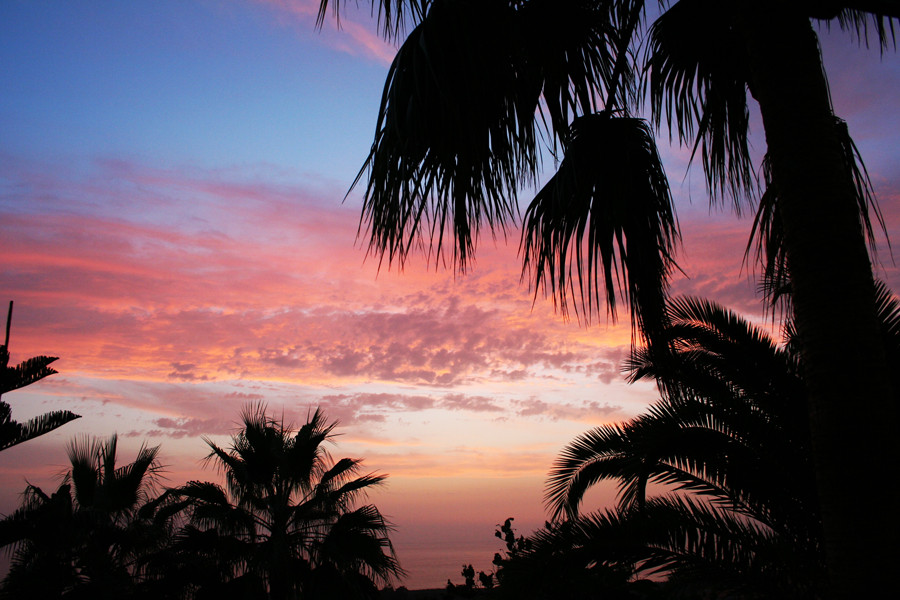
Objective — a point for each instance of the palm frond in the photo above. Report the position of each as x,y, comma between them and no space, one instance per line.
455,136
12,432
698,87
392,14
877,18
26,372
571,49
698,545
888,310
767,233
604,224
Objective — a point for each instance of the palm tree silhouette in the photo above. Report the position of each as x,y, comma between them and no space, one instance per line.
728,443
286,516
86,538
12,378
477,86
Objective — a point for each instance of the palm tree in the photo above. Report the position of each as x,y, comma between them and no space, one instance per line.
477,85
286,516
12,378
86,538
729,443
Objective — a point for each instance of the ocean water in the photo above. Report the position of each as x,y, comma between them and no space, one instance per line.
431,564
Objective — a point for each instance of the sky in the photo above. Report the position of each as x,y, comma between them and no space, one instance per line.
174,227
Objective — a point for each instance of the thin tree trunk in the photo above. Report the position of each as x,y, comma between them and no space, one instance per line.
851,406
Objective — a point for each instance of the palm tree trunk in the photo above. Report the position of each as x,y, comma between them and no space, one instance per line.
851,402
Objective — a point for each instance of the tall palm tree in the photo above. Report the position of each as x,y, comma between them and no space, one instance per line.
12,378
286,516
477,83
85,538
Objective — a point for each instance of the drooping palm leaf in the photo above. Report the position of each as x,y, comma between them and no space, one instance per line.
858,16
604,224
392,14
455,135
698,88
767,232
571,51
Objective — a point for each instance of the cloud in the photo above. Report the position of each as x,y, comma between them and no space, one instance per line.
589,411
349,35
187,427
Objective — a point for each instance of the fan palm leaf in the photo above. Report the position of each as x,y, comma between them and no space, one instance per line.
605,223
284,497
698,78
457,129
93,533
392,14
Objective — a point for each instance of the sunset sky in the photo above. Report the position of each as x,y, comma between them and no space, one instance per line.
172,177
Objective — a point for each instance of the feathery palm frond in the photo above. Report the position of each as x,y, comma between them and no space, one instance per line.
604,223
13,432
730,427
12,378
888,309
26,372
729,441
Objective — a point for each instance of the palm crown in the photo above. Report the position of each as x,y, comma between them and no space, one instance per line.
86,537
292,510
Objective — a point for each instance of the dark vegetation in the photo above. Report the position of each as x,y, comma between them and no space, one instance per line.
480,89
717,496
288,524
12,378
737,483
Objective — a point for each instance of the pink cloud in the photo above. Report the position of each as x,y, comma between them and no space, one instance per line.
350,36
534,407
